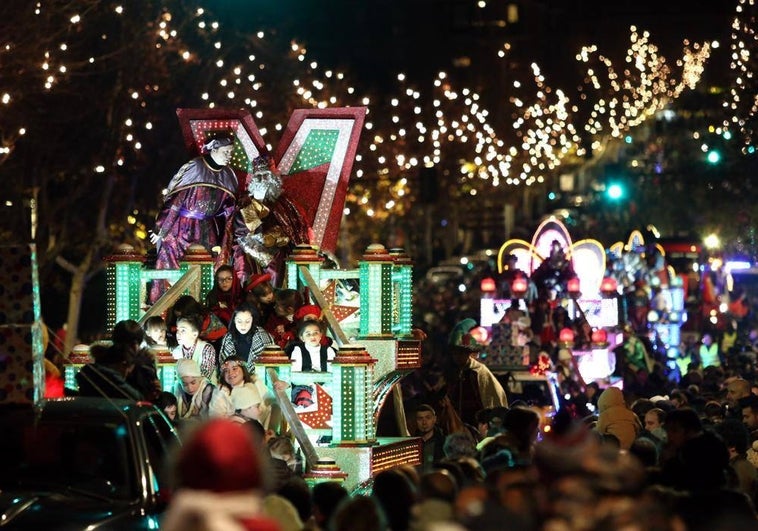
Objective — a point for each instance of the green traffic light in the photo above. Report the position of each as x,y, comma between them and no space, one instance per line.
615,191
713,157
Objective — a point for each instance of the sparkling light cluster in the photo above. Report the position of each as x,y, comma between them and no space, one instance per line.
645,85
447,125
742,102
442,125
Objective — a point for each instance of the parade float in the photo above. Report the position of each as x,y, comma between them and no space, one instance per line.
653,293
581,289
552,276
367,310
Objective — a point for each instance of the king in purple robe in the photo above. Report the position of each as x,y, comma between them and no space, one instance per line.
200,208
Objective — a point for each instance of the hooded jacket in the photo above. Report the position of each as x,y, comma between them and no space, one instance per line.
616,418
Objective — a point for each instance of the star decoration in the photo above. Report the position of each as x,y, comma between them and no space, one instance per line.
339,311
320,418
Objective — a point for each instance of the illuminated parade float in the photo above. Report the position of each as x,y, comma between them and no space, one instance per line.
333,415
561,279
580,288
654,292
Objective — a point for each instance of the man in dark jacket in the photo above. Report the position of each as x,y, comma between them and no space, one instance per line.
431,434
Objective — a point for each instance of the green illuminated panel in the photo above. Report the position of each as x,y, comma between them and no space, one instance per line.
386,299
292,275
337,404
349,412
134,291
110,296
376,298
69,376
401,300
167,376
206,279
317,149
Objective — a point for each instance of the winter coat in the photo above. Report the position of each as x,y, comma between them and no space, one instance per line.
615,418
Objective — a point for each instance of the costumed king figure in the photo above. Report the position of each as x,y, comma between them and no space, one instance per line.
276,224
199,208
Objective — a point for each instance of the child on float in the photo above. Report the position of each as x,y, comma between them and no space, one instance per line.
246,404
281,325
225,294
197,398
308,312
260,293
212,329
246,390
192,347
155,332
167,403
245,338
310,354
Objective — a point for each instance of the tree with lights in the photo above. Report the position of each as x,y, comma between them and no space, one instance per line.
741,101
99,89
88,119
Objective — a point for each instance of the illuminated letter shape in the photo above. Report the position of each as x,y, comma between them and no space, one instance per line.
199,126
315,157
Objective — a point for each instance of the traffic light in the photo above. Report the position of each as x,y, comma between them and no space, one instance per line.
614,191
713,156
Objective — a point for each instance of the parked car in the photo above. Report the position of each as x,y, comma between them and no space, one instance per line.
445,274
537,391
84,463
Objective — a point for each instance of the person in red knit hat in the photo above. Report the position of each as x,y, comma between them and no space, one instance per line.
260,293
219,480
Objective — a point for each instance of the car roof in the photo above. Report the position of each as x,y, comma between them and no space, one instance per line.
100,408
520,374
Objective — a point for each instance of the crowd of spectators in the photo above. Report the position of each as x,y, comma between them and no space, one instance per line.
654,448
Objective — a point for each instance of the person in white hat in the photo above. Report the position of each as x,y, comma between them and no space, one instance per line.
197,398
256,400
246,402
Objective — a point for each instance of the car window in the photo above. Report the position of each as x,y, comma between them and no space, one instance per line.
160,441
66,455
533,392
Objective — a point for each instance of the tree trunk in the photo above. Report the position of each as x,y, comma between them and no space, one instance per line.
80,274
75,294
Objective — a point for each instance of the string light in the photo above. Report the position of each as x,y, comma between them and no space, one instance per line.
429,125
741,102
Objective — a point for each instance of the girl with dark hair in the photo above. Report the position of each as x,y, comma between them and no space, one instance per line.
225,294
245,338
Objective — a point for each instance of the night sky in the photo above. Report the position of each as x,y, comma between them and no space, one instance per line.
375,39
